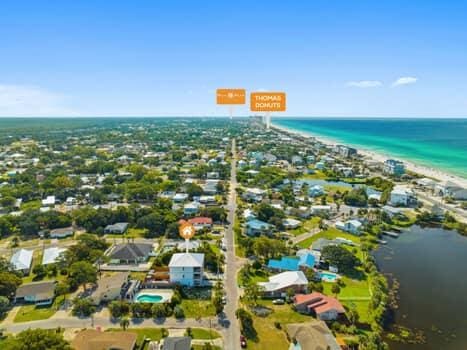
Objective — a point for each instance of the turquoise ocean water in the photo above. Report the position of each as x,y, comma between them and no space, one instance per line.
436,143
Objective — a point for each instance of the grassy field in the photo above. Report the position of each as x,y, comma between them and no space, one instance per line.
269,336
34,313
306,226
201,333
329,233
198,308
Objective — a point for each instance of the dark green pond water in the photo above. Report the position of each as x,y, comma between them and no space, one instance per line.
431,266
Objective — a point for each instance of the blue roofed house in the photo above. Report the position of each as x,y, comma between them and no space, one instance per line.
22,260
316,190
289,263
284,264
256,227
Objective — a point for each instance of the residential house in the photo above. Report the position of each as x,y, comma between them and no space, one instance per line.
320,209
314,335
290,224
257,227
207,200
254,194
51,255
49,201
109,287
39,293
210,186
180,197
248,214
130,253
187,269
191,208
278,285
62,232
316,191
321,243
294,263
117,228
351,226
393,167
325,308
91,339
402,196
21,260
201,222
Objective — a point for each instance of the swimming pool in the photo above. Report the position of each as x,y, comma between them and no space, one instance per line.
149,298
153,296
328,276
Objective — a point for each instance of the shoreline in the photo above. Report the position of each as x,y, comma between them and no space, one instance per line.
378,157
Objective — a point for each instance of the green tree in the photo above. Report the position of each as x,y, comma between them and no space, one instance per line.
340,257
82,272
37,339
8,283
83,307
4,305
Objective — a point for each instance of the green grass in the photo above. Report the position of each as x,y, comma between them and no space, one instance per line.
317,175
201,333
254,277
200,347
269,337
131,233
198,308
329,233
358,289
306,226
32,312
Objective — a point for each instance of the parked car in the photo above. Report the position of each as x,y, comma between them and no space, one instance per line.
243,342
278,302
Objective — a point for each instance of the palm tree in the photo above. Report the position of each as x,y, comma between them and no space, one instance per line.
124,323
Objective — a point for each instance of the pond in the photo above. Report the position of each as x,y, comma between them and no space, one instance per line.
431,267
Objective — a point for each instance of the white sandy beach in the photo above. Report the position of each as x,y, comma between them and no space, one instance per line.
419,169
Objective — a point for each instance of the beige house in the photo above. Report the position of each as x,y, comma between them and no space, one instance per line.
109,287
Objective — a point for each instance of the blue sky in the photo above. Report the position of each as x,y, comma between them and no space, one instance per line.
333,58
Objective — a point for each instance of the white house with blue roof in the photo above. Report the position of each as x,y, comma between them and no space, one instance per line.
256,227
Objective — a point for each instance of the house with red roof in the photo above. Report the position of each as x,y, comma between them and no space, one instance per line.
201,222
324,307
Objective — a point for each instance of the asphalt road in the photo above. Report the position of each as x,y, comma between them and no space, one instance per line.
232,332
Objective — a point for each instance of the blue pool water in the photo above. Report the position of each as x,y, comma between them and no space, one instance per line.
148,298
328,276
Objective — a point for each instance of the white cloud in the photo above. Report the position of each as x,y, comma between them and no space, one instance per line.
365,83
23,100
405,81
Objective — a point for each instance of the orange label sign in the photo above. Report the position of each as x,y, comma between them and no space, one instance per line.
230,96
267,101
186,230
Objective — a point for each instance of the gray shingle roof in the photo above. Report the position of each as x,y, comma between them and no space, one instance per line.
131,251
